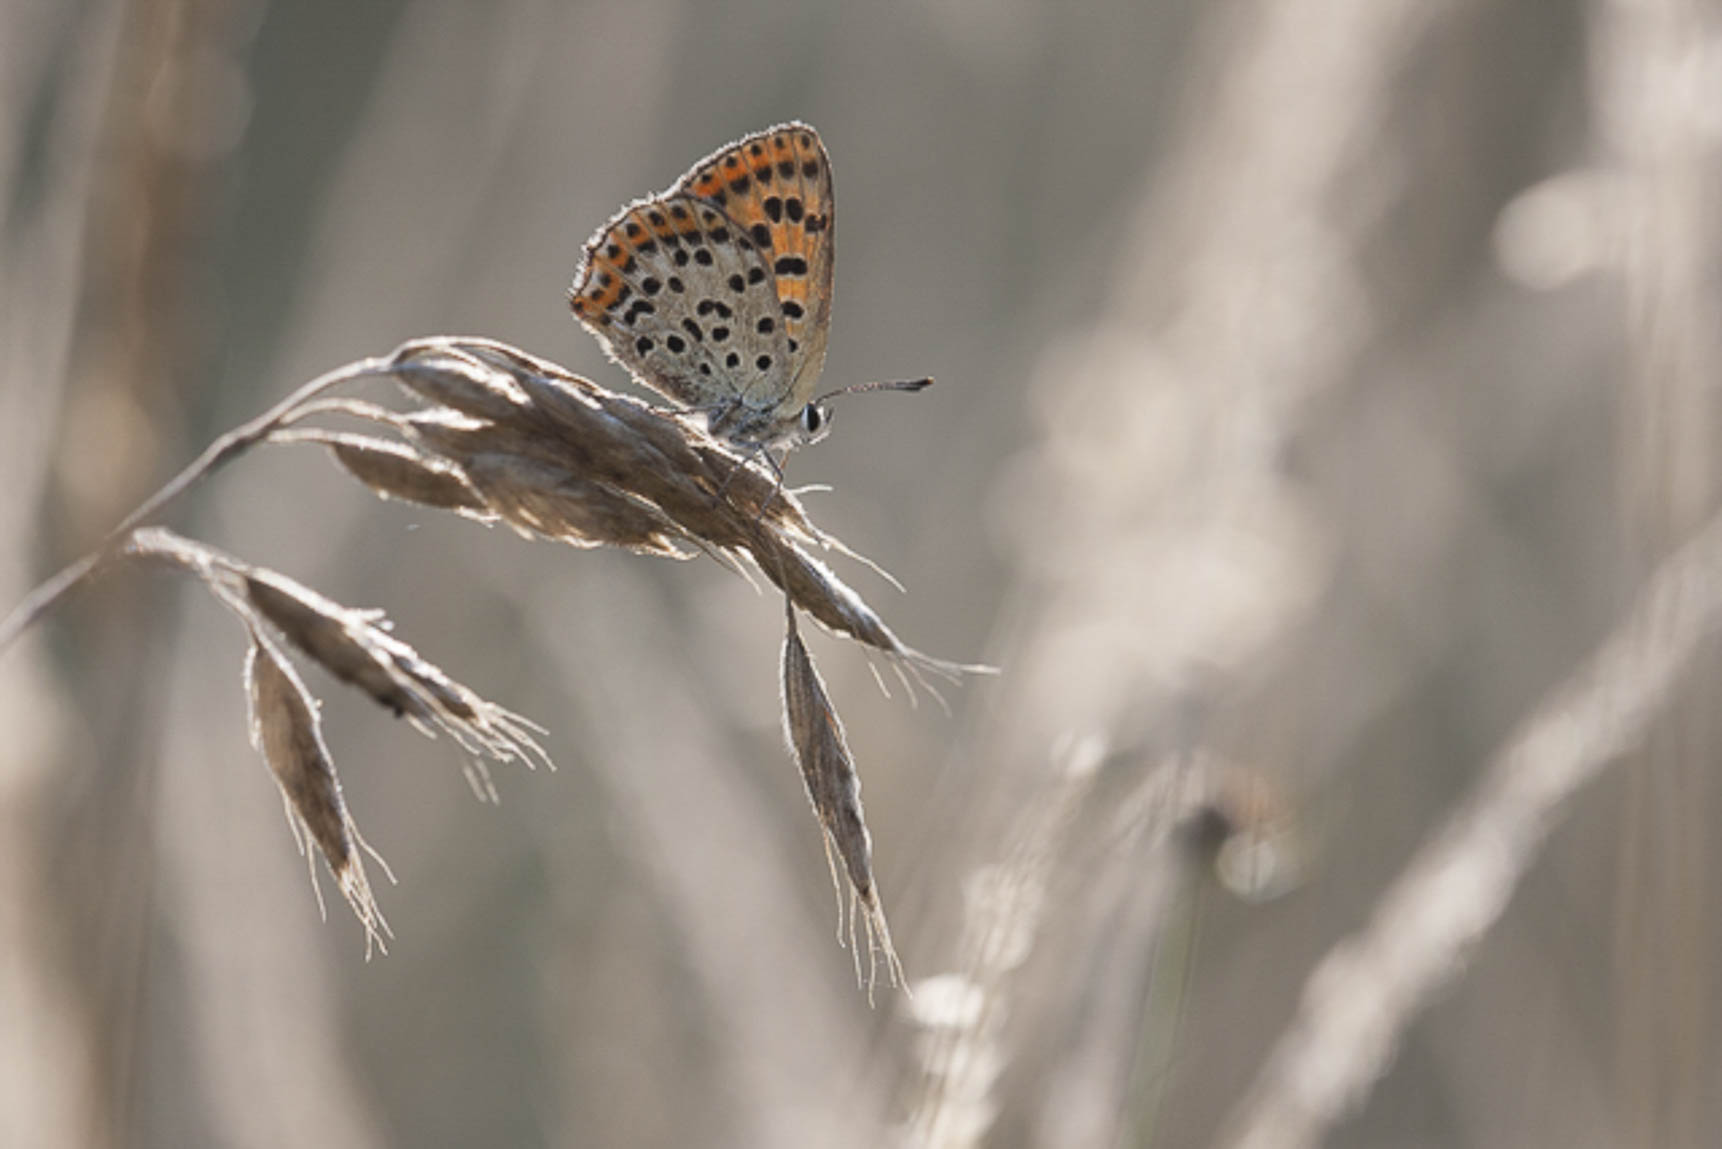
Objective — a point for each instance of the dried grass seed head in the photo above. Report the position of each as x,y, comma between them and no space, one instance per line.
445,373
356,648
817,742
398,471
550,503
286,730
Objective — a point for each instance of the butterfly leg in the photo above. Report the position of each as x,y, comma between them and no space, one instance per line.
759,450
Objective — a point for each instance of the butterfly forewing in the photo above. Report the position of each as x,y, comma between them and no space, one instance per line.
776,186
674,289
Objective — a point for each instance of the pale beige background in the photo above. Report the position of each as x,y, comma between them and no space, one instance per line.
1317,383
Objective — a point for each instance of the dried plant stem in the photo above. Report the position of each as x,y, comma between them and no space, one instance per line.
507,436
965,1014
501,435
359,648
1662,153
218,454
1363,995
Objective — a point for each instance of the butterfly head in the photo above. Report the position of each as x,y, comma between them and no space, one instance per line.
814,423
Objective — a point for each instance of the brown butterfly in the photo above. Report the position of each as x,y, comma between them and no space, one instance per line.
717,292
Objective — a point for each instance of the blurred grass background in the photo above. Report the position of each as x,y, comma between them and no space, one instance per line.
1317,382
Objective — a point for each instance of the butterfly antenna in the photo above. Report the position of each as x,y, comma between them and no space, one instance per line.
892,385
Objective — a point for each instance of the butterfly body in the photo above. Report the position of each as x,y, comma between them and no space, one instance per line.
717,292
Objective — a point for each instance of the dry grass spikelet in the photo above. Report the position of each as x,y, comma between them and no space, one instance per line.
286,730
536,498
396,471
524,481
812,586
356,647
816,739
556,456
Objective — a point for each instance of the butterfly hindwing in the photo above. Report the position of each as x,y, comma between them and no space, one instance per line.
674,290
717,292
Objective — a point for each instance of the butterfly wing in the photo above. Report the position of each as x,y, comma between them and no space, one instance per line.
776,186
676,292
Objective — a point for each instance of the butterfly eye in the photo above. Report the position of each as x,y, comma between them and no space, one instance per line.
815,421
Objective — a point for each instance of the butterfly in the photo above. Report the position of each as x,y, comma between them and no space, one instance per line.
717,293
